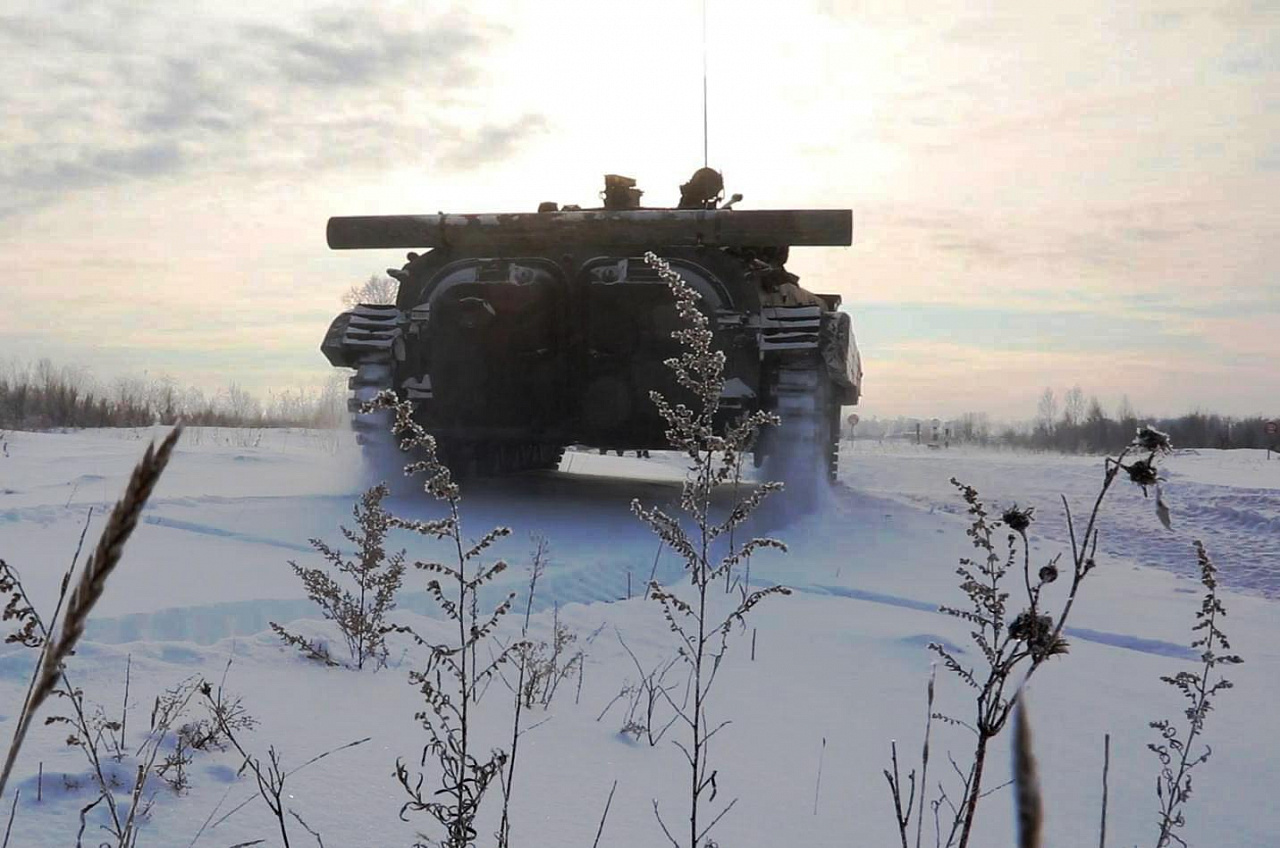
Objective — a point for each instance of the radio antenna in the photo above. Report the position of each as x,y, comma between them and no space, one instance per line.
704,83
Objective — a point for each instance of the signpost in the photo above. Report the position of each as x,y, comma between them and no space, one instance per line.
1271,429
852,421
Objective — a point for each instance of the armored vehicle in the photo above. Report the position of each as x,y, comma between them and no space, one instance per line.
516,335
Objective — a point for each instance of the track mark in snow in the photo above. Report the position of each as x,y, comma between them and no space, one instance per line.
1115,640
209,623
1134,643
1240,525
207,530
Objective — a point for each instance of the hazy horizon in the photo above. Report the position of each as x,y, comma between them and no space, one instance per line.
1042,196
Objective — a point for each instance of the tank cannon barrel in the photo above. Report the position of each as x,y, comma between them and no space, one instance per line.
631,229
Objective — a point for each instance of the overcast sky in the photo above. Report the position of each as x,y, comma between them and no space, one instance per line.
1044,194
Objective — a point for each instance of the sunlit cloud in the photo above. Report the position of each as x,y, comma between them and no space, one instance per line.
126,90
1042,194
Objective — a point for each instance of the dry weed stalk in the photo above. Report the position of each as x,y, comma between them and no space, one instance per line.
101,738
902,809
452,679
713,450
540,667
525,683
605,815
1173,786
270,779
1106,774
1026,640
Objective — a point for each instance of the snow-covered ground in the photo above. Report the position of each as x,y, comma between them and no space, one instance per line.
840,665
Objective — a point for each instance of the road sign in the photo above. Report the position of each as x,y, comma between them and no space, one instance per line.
853,419
1272,428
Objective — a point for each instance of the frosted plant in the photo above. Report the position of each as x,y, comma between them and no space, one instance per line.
360,613
701,626
1173,787
452,679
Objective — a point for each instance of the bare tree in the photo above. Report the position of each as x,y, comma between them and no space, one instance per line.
376,289
241,405
1073,406
1047,411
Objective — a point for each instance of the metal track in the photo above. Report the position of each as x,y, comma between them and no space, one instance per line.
382,456
805,448
803,451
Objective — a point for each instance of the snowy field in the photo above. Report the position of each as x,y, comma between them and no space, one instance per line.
839,670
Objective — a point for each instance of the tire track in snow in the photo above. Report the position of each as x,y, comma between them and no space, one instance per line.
1239,525
586,585
222,533
1116,640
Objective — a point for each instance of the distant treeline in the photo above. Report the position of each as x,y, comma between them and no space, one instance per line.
1078,425
45,395
1107,435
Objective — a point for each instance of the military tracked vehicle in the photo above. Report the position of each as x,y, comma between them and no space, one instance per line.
517,335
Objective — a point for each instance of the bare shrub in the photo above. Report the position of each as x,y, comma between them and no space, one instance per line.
540,667
226,719
360,613
547,664
644,697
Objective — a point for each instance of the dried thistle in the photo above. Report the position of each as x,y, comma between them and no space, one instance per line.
1150,439
1018,520
1034,635
1143,473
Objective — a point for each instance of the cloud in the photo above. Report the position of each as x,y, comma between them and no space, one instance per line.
355,47
125,91
492,143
